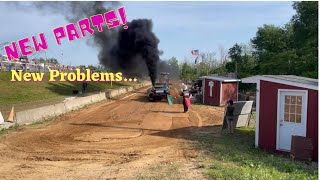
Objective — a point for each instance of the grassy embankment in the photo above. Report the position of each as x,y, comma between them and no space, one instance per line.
13,93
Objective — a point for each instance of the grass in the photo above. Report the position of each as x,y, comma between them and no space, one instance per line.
12,93
13,128
17,127
160,171
235,157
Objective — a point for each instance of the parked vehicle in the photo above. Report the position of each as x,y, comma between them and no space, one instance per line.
196,87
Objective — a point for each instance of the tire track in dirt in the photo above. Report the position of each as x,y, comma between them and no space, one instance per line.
113,139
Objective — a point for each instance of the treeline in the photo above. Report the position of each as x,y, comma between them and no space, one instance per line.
292,49
49,60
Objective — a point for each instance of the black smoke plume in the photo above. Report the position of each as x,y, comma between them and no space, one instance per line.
134,47
134,51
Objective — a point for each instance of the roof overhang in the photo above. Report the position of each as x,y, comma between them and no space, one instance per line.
252,79
256,79
220,79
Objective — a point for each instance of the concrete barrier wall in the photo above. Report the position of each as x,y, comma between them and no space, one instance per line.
98,97
34,115
77,103
51,111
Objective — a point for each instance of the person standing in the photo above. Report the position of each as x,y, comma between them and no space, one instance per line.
230,115
184,87
84,87
185,97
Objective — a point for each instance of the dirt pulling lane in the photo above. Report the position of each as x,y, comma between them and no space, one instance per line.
116,139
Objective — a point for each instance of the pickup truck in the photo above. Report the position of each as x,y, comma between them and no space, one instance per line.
159,91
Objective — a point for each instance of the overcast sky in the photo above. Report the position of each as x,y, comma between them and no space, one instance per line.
180,26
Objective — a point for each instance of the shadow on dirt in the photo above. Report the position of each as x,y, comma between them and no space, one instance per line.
188,133
140,99
145,99
164,100
173,112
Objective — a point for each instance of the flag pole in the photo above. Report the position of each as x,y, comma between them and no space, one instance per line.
198,68
197,53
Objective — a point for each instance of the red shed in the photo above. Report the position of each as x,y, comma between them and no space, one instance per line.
286,105
217,90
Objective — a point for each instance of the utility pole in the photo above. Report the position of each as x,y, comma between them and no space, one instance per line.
198,65
61,55
236,69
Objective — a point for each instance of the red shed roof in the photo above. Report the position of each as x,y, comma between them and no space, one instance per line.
292,80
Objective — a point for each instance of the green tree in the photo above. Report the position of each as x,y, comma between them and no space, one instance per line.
92,67
305,36
273,51
42,60
52,60
173,69
292,49
174,64
235,53
242,61
236,59
188,72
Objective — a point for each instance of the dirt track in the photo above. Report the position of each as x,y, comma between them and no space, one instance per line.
126,138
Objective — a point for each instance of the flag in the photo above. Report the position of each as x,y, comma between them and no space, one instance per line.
170,99
196,60
188,102
195,52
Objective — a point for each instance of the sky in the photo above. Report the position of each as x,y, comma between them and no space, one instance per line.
180,27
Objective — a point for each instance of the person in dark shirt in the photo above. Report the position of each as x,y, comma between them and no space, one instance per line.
230,116
84,87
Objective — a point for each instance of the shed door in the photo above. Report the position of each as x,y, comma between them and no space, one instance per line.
292,117
210,92
212,89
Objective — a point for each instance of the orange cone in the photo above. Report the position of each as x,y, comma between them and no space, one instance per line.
11,115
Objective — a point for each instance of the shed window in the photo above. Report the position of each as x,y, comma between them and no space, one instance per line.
293,109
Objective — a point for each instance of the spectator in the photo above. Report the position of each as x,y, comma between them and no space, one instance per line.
230,116
184,87
185,95
84,87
